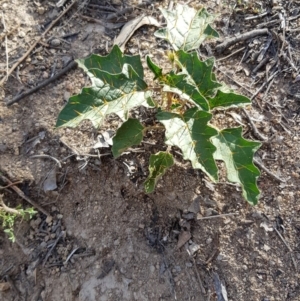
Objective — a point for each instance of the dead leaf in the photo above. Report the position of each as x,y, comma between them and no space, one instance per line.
130,27
184,237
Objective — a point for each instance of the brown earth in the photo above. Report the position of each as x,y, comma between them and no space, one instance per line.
108,239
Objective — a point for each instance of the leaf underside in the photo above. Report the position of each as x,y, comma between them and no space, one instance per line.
158,164
130,133
237,154
186,28
191,133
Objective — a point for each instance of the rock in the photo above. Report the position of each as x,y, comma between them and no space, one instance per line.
193,248
21,34
55,42
41,10
195,205
49,219
152,268
188,264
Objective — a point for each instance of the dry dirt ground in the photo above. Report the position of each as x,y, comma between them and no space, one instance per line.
106,239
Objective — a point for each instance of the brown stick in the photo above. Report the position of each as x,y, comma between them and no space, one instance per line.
36,42
12,184
46,82
245,36
23,196
254,128
7,209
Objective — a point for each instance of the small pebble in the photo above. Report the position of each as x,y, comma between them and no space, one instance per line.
55,42
41,10
45,75
21,34
188,264
49,219
66,98
152,268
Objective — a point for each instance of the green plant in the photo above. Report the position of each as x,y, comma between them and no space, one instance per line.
9,215
190,94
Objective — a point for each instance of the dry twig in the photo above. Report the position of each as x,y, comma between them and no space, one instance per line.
47,157
219,215
245,36
46,82
288,247
6,51
61,234
37,41
7,209
254,128
23,196
267,171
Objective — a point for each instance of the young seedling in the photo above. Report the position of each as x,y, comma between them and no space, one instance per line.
9,215
191,93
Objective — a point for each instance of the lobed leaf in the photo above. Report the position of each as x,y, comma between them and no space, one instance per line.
177,83
186,28
158,164
112,63
199,73
191,133
109,93
237,154
130,133
228,100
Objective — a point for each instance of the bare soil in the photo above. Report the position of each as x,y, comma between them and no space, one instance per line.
108,240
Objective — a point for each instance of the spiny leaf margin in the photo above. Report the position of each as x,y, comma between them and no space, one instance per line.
192,134
158,164
186,28
237,154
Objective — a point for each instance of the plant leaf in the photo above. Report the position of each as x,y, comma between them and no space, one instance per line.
199,73
158,164
228,100
110,93
195,82
177,83
186,28
130,133
154,68
112,63
192,135
237,154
